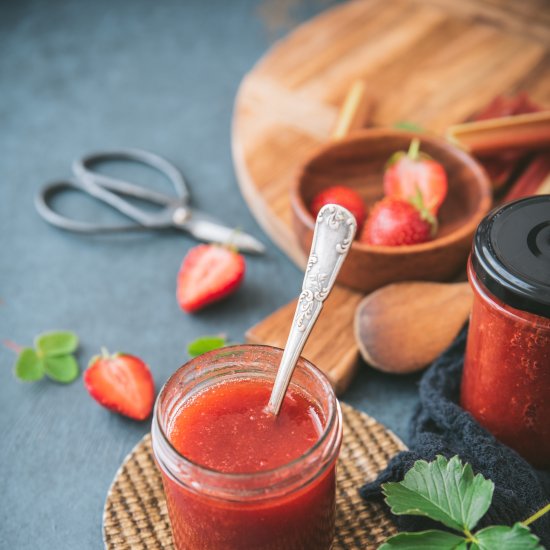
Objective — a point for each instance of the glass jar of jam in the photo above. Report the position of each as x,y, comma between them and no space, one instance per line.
235,476
506,378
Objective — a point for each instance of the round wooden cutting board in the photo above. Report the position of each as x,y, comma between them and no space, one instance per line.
428,62
431,62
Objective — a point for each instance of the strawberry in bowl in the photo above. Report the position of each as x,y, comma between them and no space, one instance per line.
452,186
413,173
396,222
343,196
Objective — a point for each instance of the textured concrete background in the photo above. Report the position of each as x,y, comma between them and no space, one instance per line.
81,76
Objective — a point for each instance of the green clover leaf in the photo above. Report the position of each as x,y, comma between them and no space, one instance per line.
29,367
62,368
52,344
53,356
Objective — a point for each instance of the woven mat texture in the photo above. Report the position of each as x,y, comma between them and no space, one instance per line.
135,515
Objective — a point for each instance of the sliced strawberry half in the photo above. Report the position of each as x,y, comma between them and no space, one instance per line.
412,172
121,383
207,274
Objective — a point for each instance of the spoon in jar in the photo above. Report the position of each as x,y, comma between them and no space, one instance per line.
335,229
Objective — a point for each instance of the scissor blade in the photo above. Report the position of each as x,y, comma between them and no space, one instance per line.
204,228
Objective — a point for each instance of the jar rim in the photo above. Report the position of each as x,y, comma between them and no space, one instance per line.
333,419
507,310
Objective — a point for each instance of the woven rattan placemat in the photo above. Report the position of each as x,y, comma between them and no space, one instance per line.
135,515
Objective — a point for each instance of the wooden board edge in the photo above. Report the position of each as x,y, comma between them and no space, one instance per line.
287,241
281,235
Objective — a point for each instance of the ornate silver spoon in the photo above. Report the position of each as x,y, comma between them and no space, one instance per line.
334,232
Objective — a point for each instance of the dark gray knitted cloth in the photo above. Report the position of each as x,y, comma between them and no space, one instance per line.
440,426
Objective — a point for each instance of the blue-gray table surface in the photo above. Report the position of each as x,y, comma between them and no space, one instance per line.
77,76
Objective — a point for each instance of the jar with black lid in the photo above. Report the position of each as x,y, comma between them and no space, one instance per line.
506,379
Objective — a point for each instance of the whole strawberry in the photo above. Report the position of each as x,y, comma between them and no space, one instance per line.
395,222
344,196
121,383
207,274
413,172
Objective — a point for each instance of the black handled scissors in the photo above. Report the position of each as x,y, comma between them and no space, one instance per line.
176,211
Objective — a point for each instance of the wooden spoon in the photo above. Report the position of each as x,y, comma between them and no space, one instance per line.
403,327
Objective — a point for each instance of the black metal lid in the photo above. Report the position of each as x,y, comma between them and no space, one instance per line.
511,254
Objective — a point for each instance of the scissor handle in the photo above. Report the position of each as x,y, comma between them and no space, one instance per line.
43,206
109,190
82,171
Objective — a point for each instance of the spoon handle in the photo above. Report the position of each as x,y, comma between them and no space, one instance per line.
334,232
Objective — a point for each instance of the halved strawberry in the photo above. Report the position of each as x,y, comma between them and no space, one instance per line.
207,274
408,173
121,383
395,222
344,196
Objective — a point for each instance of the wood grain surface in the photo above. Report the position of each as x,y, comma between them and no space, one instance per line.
429,62
331,345
380,319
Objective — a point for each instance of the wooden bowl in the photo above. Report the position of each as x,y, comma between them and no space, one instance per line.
358,161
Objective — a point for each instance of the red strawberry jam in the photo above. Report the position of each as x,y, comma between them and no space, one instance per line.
227,428
235,476
506,378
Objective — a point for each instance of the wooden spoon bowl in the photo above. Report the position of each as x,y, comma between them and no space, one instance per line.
358,161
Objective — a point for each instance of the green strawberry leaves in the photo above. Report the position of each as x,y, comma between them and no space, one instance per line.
206,343
447,491
52,357
53,344
418,202
409,126
62,368
517,537
28,366
425,540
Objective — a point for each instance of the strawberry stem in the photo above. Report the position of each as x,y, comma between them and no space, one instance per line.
104,353
230,245
536,515
414,149
11,345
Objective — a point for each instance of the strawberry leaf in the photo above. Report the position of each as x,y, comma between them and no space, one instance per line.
517,537
62,368
395,158
418,202
425,540
445,491
52,344
410,126
204,344
29,367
